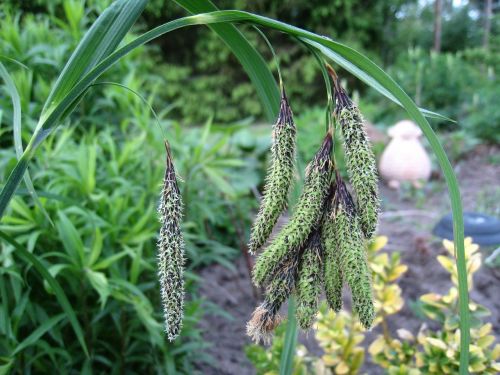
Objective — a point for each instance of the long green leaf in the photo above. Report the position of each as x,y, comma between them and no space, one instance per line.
288,353
56,287
17,135
366,78
99,42
37,333
362,63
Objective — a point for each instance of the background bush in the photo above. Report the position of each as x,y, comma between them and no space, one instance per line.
203,78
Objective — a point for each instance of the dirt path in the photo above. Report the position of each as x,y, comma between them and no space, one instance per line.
407,220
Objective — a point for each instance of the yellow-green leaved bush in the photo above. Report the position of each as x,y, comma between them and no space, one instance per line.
437,351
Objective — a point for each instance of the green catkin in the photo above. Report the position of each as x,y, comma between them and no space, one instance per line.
352,254
360,161
332,273
278,179
304,220
265,318
308,285
171,252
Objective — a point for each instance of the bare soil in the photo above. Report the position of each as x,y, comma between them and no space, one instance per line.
408,218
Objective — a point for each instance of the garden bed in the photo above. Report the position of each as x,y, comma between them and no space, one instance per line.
408,218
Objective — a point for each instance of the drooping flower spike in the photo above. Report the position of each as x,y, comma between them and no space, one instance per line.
360,160
171,251
352,253
332,273
309,281
265,318
279,177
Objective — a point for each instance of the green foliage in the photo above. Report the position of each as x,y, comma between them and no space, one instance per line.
267,360
462,86
103,250
100,186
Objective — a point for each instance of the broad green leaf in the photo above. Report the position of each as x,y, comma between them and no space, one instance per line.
70,238
6,365
105,263
41,268
96,249
99,282
366,78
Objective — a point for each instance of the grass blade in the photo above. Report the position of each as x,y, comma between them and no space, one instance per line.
56,287
288,354
17,135
99,42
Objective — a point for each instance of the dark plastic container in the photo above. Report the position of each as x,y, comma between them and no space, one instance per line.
484,229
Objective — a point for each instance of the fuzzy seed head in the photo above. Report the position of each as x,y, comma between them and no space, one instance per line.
265,317
304,220
352,254
309,281
171,252
279,177
360,161
332,272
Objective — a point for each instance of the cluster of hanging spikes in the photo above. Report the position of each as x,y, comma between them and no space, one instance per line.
323,245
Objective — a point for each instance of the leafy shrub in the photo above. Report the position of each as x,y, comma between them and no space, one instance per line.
103,197
436,351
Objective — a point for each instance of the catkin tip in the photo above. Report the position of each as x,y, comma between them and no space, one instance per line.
262,324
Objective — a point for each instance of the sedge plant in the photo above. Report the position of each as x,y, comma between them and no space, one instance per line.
100,48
